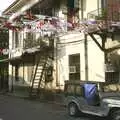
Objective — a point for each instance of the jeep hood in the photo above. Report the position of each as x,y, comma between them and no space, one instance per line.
112,101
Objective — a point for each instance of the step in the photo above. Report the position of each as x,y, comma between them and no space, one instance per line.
35,84
39,70
37,78
40,67
37,75
37,81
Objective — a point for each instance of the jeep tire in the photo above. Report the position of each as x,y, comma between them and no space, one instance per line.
115,115
73,109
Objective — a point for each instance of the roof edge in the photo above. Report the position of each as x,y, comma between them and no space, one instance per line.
8,8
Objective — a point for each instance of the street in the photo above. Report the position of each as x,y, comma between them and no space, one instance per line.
12,108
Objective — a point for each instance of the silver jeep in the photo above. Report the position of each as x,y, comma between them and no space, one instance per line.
89,98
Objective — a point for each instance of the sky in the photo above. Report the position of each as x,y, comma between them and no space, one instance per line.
4,4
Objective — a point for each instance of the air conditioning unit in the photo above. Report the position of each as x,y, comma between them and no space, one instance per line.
72,69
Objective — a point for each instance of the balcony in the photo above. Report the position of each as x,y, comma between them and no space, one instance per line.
31,46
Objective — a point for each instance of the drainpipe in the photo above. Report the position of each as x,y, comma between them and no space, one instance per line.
57,83
82,9
86,57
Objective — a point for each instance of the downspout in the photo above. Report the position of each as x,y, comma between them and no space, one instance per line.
86,56
82,10
57,83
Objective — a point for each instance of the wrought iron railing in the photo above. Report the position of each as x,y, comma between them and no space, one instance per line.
40,42
29,43
97,14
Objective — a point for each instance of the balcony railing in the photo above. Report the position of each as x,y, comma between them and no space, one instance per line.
40,42
29,43
97,14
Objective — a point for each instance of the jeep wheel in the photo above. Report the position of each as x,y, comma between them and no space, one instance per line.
73,109
115,115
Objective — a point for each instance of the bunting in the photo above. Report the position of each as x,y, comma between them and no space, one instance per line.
40,23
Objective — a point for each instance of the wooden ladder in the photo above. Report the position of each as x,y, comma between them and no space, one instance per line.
37,77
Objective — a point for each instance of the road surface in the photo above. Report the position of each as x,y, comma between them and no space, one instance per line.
12,108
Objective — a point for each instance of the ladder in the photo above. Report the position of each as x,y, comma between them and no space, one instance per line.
37,79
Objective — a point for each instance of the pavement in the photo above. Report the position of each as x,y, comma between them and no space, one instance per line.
59,99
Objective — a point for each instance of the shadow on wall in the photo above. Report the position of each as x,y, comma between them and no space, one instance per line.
60,49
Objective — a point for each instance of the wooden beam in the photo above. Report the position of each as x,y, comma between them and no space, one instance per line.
102,47
112,49
95,40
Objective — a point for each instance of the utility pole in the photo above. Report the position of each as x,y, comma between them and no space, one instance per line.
86,56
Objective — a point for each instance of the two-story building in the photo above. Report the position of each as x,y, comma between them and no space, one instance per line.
40,59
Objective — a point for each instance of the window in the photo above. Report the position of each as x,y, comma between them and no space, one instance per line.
74,67
112,77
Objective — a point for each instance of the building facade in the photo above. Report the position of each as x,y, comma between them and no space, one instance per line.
68,56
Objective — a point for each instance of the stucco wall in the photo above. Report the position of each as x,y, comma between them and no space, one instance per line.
95,58
90,6
95,61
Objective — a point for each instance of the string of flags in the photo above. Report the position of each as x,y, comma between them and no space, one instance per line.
40,23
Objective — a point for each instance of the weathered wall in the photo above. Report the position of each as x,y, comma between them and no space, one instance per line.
95,58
